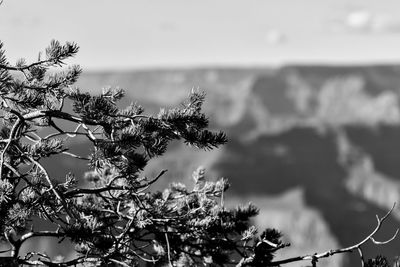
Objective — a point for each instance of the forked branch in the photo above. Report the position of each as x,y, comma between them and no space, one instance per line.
315,257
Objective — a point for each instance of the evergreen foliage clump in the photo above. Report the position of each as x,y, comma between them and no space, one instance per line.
114,218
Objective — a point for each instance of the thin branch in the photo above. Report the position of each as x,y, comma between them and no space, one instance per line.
97,190
168,250
119,262
40,262
341,250
49,61
52,187
147,185
40,233
31,138
73,155
361,256
13,132
4,251
90,134
387,241
78,191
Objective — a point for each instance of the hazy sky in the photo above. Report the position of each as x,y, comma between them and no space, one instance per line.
148,33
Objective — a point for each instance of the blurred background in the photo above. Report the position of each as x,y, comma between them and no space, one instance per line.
307,92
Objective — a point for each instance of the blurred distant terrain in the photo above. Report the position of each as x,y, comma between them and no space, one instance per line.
316,148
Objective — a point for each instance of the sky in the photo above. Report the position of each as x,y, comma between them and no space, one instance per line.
136,34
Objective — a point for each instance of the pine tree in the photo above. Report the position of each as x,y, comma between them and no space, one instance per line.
115,219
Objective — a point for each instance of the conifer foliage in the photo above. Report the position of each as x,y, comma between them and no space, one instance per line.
115,218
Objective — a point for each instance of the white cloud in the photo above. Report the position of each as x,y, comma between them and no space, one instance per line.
359,20
274,37
366,21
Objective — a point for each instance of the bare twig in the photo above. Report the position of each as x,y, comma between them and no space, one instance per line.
357,246
168,250
119,262
147,185
385,242
74,155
